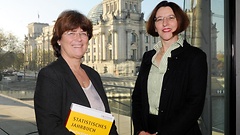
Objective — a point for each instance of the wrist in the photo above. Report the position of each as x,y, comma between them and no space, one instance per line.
139,132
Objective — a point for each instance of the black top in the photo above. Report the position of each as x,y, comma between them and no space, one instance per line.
182,96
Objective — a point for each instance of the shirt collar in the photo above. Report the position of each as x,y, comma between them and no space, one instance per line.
179,42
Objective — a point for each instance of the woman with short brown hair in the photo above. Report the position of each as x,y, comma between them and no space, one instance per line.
169,92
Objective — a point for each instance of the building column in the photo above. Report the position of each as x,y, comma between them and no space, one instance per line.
128,49
115,46
104,45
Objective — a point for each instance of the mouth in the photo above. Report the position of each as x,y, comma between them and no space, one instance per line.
77,45
166,30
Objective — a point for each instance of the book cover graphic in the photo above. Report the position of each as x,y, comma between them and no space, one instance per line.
87,121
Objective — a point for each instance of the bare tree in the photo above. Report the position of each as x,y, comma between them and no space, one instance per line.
11,51
3,41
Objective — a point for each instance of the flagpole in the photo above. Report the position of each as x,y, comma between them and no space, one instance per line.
38,16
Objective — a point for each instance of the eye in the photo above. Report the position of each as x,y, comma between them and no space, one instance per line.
171,17
84,33
70,33
159,19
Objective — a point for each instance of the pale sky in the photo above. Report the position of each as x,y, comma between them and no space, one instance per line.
17,14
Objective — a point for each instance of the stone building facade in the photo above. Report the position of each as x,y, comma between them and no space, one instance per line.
119,39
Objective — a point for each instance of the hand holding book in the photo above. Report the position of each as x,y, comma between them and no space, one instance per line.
88,121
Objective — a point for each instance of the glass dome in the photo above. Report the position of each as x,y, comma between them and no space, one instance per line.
95,13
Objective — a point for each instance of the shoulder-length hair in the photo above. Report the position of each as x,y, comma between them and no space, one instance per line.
69,20
181,16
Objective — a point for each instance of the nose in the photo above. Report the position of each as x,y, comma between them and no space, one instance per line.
78,36
165,21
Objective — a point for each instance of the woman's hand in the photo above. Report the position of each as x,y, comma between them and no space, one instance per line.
146,133
143,133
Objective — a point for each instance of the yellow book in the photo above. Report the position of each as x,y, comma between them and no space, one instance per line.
88,121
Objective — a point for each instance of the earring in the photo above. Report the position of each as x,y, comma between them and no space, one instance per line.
59,44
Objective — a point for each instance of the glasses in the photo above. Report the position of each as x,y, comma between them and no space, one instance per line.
161,18
72,34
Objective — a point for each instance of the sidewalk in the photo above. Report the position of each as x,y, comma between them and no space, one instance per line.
17,118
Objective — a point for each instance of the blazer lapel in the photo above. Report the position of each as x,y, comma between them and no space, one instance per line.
72,82
97,83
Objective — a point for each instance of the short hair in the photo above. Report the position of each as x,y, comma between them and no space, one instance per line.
69,20
181,16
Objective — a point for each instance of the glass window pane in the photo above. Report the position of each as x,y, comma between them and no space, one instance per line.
206,31
114,55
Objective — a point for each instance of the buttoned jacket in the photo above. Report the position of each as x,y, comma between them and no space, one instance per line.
182,93
56,89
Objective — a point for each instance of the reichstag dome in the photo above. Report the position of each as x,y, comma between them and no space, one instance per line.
95,13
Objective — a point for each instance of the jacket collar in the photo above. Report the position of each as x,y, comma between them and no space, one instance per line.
72,80
180,49
148,58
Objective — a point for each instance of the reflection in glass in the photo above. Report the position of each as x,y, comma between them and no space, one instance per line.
206,31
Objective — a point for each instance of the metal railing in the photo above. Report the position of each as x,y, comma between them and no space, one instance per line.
120,103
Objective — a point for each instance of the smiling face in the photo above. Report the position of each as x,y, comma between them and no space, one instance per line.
166,24
74,43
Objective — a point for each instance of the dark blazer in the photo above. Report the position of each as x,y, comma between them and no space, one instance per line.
182,96
56,89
